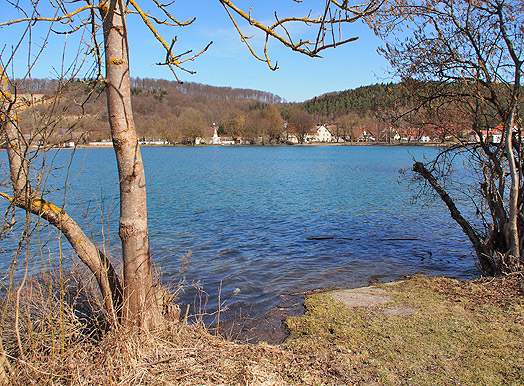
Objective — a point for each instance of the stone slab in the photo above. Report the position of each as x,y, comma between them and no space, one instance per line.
369,297
362,297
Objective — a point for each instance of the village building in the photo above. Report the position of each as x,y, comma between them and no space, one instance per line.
488,135
209,137
292,139
318,134
322,134
366,136
411,135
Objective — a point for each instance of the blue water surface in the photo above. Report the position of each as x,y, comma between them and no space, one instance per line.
265,221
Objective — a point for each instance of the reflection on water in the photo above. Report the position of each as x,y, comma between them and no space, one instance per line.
267,221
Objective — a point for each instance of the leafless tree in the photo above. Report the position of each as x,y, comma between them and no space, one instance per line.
235,125
467,58
192,124
300,123
327,32
134,300
347,126
254,127
273,123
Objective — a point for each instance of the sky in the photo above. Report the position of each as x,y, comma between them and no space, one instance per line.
228,61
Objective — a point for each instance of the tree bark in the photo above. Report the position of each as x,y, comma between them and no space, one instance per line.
481,251
141,306
25,198
511,231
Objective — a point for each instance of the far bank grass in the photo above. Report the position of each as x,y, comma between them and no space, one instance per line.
462,333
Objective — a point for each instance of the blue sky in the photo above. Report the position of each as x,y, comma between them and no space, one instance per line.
228,61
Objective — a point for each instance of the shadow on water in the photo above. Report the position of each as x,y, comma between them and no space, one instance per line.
241,325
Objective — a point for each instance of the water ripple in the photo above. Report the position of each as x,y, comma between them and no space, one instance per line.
264,221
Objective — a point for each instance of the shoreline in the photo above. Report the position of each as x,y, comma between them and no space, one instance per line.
402,144
378,144
270,327
423,331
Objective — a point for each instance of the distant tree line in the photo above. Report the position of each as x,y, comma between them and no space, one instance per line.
163,110
204,90
398,106
46,86
363,101
180,113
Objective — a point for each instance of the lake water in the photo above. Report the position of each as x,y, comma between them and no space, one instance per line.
266,221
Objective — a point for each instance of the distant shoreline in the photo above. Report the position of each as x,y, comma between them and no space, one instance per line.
384,144
276,145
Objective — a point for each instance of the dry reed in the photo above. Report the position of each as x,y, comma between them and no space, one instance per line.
62,340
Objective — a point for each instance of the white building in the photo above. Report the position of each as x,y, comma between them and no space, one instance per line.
322,134
366,136
488,135
210,137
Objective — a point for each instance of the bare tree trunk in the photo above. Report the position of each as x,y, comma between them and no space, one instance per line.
511,231
5,367
141,306
482,253
25,198
505,20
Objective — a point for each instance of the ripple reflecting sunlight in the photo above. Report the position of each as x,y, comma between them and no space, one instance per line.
267,221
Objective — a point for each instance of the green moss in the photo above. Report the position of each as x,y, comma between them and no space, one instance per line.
455,336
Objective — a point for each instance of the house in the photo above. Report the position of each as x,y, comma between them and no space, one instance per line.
424,138
411,135
292,139
322,134
397,137
366,136
390,134
310,136
488,135
209,137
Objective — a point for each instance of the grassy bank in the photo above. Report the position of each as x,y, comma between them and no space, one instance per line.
461,333
469,333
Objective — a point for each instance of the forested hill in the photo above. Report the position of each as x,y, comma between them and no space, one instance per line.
162,109
363,101
207,91
162,86
176,112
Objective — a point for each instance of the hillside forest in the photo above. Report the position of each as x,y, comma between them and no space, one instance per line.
180,113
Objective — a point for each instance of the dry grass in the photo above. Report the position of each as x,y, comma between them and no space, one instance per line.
178,355
55,337
462,333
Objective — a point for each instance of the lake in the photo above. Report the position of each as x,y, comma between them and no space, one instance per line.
264,221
